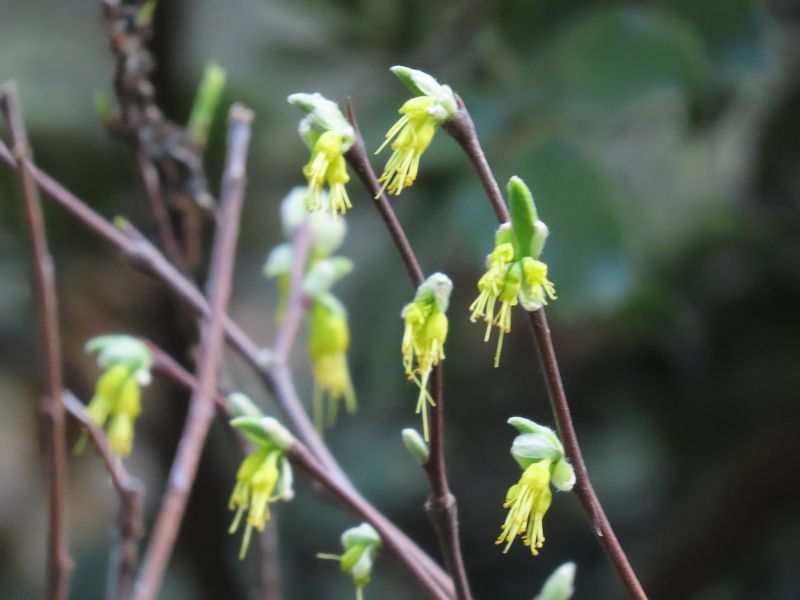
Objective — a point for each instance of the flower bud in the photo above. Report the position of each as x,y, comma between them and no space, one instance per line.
423,84
560,585
324,115
241,405
206,102
323,274
264,431
416,445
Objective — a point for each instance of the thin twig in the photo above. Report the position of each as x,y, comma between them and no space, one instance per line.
462,129
60,564
130,504
158,211
140,253
441,507
201,409
305,461
165,365
359,161
298,301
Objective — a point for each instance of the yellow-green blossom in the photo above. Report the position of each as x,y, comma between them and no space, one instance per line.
325,130
411,135
116,403
527,501
256,481
265,475
329,339
360,547
514,274
327,166
424,336
540,454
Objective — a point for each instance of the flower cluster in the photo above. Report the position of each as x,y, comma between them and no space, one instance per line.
329,339
265,475
424,335
411,135
329,331
540,454
116,403
360,545
329,136
514,274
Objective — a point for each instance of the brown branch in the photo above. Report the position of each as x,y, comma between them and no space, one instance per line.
462,129
298,302
305,461
140,253
60,564
359,161
201,409
130,503
441,507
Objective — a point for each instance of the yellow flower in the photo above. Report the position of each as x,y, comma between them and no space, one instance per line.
527,501
329,339
254,490
116,403
412,134
536,287
424,336
327,166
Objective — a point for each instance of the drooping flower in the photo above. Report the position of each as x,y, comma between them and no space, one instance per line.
116,402
265,475
325,130
327,166
329,339
424,336
540,454
411,135
360,546
514,274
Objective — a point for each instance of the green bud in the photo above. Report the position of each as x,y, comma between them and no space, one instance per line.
264,431
121,349
423,84
285,487
529,448
206,101
560,585
146,11
241,405
416,445
539,238
562,476
279,261
524,425
361,535
324,115
435,288
504,235
321,277
523,217
102,105
327,233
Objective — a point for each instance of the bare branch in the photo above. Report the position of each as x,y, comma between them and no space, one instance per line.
298,302
201,409
130,503
60,564
441,507
462,129
140,253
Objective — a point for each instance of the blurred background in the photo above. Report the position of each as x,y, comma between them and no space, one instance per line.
661,140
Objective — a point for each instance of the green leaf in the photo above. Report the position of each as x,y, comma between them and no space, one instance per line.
523,217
